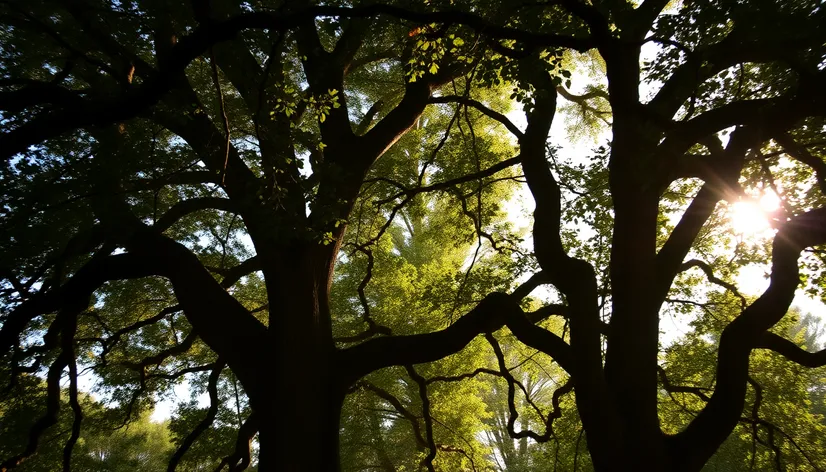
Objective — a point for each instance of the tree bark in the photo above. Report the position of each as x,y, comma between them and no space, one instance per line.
301,436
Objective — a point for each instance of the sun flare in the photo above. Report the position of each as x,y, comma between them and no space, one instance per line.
751,216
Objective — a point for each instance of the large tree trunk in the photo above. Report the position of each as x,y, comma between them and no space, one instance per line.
302,407
300,431
630,452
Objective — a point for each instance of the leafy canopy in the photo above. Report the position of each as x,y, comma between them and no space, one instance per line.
442,235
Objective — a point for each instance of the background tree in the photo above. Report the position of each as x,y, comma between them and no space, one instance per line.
103,443
300,209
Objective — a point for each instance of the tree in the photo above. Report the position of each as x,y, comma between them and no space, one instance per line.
102,444
186,187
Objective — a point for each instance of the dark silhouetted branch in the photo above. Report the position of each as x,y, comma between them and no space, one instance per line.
428,419
67,342
791,351
495,311
496,116
212,388
671,388
398,406
65,324
710,428
101,268
186,207
713,279
448,184
241,457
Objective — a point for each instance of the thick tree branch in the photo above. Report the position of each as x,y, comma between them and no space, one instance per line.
709,60
38,93
205,302
90,277
791,351
68,346
775,114
367,119
722,182
710,428
575,278
236,273
102,111
495,311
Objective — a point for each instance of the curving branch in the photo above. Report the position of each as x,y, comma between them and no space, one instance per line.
428,419
157,359
493,312
791,351
233,274
769,114
448,184
714,279
738,47
495,115
45,421
140,368
710,428
67,342
241,457
772,428
669,387
373,328
186,207
755,416
100,269
205,302
398,406
721,182
528,286
802,154
513,414
582,101
212,412
368,118
35,93
65,324
575,278
113,340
